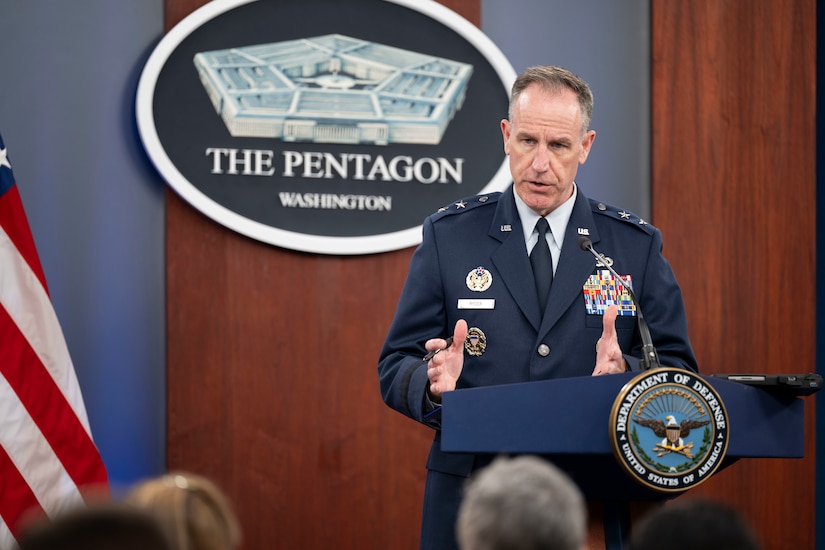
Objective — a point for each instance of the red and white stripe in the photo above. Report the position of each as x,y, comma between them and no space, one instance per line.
48,459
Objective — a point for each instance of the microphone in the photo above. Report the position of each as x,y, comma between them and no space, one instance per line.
650,359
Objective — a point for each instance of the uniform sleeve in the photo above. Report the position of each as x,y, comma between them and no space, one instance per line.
664,310
420,315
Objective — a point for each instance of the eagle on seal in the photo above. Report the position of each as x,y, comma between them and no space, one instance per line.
672,434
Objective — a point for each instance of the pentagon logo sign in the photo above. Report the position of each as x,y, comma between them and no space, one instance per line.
325,127
329,89
669,429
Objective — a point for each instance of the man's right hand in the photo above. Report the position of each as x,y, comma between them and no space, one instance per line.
445,367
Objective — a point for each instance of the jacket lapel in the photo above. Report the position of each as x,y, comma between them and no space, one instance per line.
510,258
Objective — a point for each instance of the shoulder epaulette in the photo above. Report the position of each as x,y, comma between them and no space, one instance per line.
621,215
466,204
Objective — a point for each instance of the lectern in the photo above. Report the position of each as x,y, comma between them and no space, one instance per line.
567,421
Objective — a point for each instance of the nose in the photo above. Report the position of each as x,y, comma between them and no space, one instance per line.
541,160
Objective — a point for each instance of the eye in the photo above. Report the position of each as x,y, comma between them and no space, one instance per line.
560,146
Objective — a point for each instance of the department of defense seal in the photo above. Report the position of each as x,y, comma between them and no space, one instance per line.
669,429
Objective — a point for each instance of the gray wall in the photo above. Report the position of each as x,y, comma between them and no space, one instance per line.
95,204
607,43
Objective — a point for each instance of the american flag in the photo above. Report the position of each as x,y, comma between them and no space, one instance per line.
48,460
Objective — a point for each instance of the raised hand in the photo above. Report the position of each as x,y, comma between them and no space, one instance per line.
444,368
609,357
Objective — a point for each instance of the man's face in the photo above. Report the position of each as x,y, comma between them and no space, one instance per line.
545,144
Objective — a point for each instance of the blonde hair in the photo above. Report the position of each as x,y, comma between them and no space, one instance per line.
193,511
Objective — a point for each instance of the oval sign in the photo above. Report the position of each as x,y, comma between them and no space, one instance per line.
325,127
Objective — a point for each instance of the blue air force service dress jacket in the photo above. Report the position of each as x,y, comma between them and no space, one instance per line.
473,265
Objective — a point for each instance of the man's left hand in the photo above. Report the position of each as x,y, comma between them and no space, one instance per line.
609,357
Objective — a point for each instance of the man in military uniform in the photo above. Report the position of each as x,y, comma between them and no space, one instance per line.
486,266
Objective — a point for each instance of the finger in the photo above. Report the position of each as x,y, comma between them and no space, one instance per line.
609,323
433,374
459,335
434,346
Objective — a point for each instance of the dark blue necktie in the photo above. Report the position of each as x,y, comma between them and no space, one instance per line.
542,263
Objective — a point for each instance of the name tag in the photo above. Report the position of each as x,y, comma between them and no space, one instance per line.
470,303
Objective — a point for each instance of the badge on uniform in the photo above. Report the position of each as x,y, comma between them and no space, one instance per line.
606,261
479,279
602,290
476,342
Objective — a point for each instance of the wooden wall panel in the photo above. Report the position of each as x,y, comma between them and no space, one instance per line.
734,194
273,387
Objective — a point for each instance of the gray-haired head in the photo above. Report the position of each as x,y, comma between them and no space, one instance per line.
554,78
523,503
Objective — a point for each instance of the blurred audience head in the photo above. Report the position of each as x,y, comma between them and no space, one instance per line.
522,503
98,527
692,524
193,511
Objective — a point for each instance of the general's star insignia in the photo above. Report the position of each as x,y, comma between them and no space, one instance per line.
624,215
460,204
642,222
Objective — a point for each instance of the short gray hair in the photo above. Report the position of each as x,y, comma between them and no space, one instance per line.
523,503
555,78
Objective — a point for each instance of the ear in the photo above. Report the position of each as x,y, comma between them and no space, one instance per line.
587,142
505,134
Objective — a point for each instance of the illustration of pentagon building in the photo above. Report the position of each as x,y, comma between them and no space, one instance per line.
333,89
